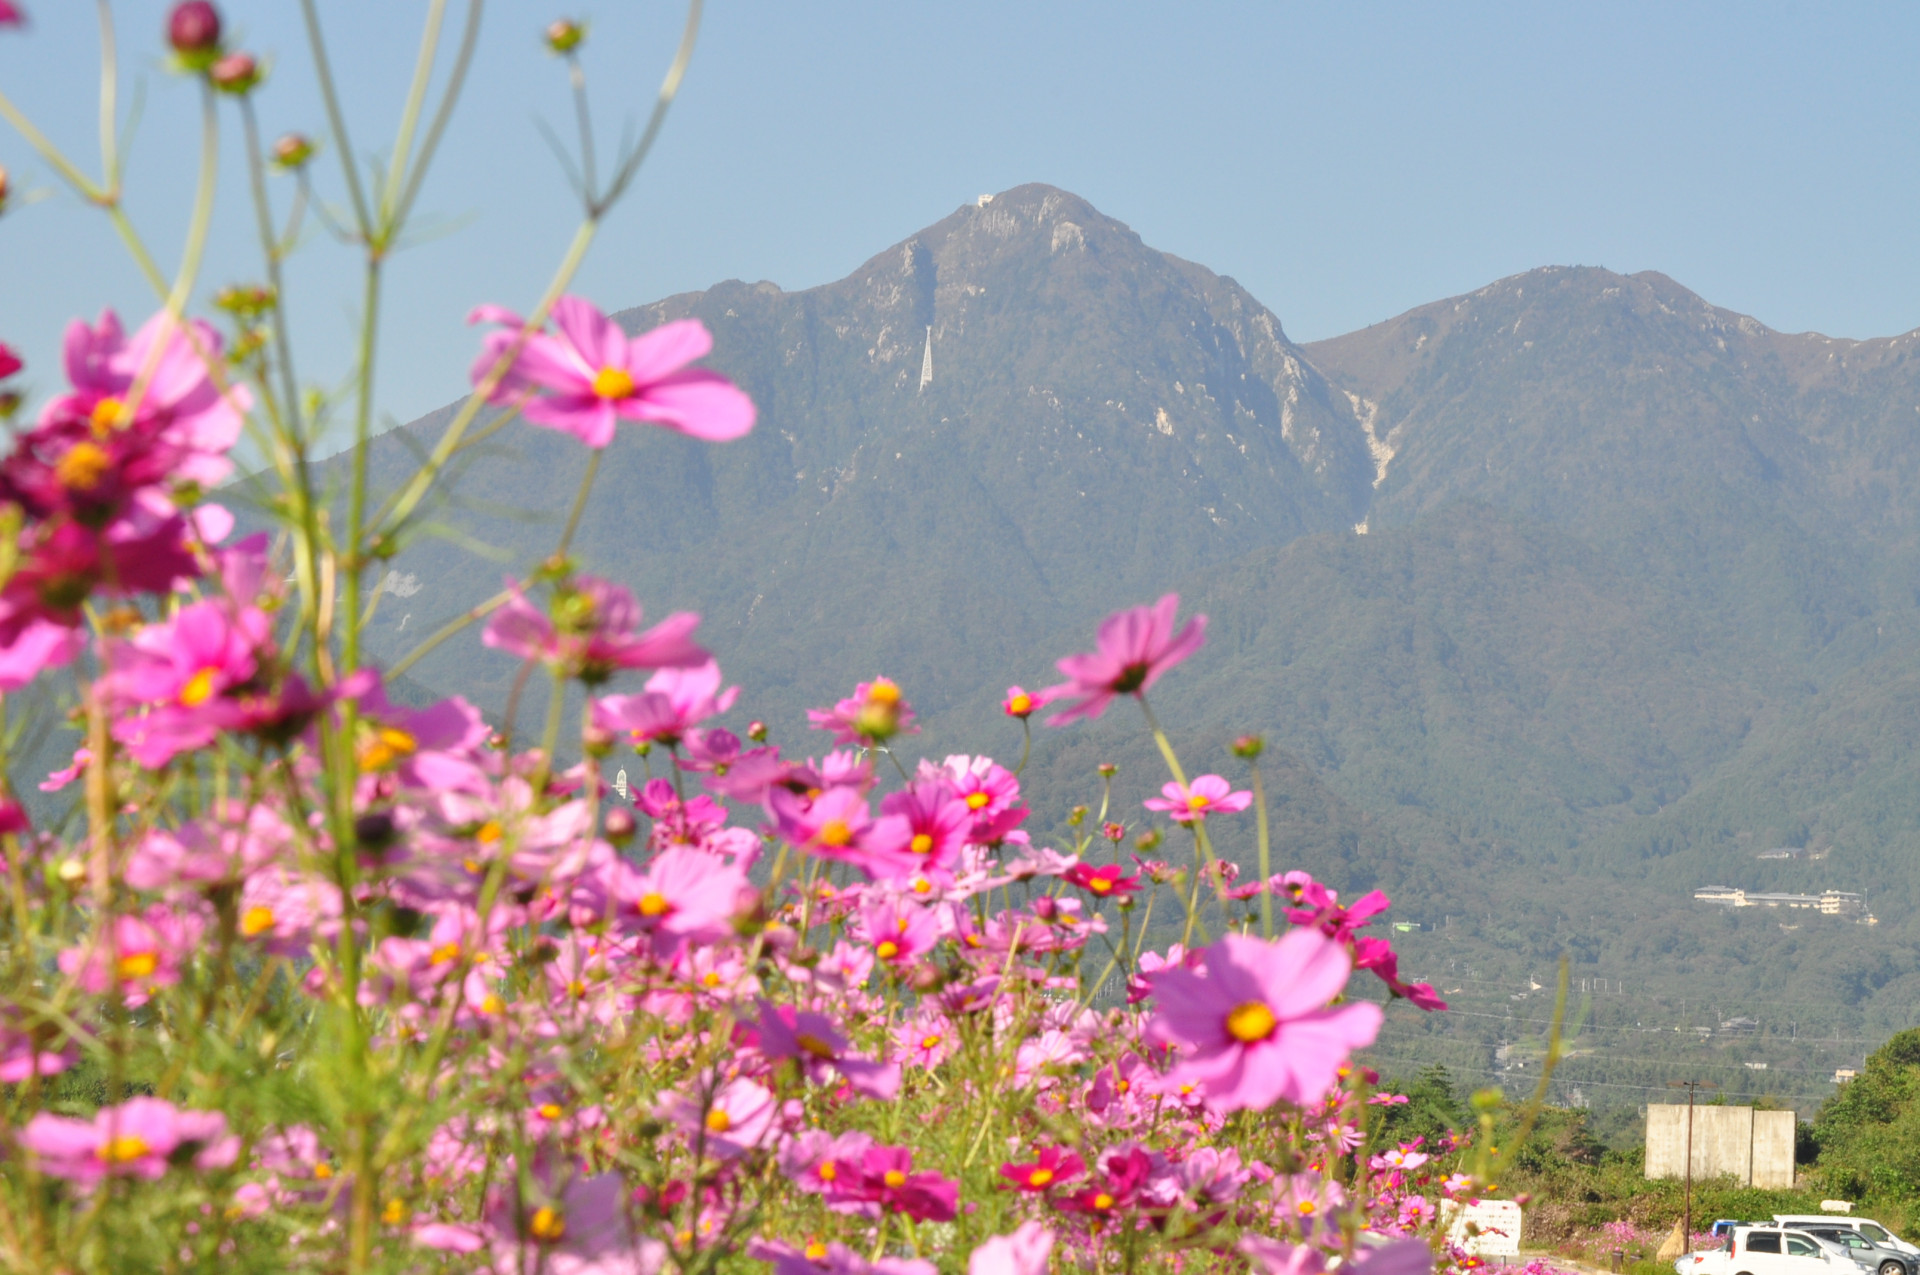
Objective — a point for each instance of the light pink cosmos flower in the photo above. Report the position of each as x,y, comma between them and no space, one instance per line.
875,712
596,633
832,1259
1255,1026
1025,1252
682,896
182,671
23,1052
144,954
1136,647
581,1229
838,824
1192,803
138,1138
812,1040
739,1118
180,399
1273,1257
592,375
674,702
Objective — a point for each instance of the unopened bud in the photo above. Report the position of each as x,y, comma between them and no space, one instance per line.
292,151
877,721
1108,770
927,978
9,404
374,830
193,29
1076,816
1248,747
1147,840
564,35
1113,832
596,741
619,825
236,73
643,747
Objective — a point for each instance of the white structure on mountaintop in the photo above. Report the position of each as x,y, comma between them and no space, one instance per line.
926,361
620,785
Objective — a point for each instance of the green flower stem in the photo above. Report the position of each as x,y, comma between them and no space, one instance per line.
1266,853
446,631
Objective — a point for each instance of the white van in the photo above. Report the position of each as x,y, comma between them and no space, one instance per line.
1777,1250
1865,1225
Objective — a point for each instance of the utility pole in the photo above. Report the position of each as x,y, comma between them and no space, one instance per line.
1686,1232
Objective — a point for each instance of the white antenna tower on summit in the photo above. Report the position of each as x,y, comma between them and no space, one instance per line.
926,361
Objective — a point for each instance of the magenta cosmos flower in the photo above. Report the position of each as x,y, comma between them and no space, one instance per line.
592,375
1136,647
1192,803
1256,1027
1025,1252
138,1138
831,1259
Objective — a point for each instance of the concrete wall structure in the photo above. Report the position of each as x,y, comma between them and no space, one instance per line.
1754,1147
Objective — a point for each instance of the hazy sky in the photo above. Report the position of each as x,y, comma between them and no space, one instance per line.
1343,161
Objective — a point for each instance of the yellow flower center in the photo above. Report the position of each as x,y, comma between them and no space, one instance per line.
1197,801
1306,1208
1099,885
710,979
929,1042
976,800
489,832
887,949
1040,1177
815,1251
814,1045
654,903
1103,1201
199,688
1250,1022
1021,703
322,1171
613,382
546,1225
256,920
124,1148
82,468
388,745
493,1004
108,414
576,989
921,843
137,965
836,833
883,691
551,1111
827,1172
718,1121
922,886
894,1178
395,1213
449,951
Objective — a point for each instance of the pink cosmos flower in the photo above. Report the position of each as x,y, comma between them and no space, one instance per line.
900,931
143,953
832,1259
886,1178
1191,803
812,1040
1255,1026
1051,1167
1107,882
1274,1257
1025,1252
24,1052
138,1138
1136,647
1022,704
938,821
581,1229
737,1120
875,712
683,896
838,824
674,702
815,1161
991,791
595,632
592,375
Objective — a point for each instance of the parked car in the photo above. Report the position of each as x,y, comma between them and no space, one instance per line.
1878,1257
1865,1225
1775,1250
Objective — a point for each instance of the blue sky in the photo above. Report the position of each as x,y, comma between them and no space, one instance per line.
1344,162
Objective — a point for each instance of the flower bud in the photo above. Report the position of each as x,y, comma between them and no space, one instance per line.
1076,816
1108,770
292,151
1248,747
1113,831
619,825
193,29
236,73
564,35
643,747
1147,840
927,978
757,732
9,404
596,741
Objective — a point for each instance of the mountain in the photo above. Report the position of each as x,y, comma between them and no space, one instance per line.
1558,600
